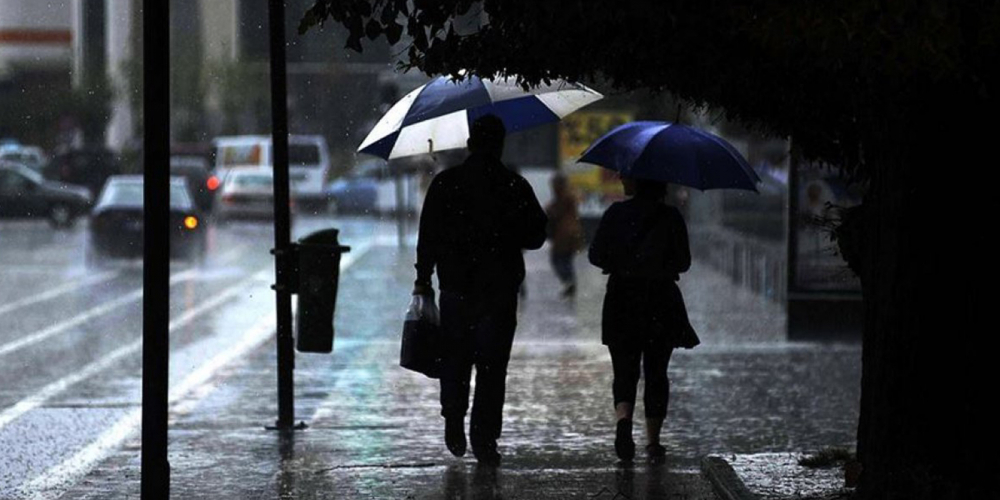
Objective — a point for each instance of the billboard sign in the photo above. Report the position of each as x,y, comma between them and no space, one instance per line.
597,187
819,194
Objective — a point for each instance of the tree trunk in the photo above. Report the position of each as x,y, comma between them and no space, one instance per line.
924,430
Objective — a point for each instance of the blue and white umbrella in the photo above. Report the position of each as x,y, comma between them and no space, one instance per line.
437,116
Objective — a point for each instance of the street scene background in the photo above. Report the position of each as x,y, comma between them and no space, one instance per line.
69,422
763,380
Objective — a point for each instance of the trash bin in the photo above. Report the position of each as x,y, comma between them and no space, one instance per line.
317,258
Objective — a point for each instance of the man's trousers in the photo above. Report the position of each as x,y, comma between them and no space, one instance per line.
478,330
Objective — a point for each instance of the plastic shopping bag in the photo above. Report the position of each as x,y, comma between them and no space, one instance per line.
421,346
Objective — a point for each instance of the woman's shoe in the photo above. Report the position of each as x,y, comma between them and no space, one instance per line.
656,451
624,446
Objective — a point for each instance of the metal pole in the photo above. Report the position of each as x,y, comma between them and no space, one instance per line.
155,471
792,225
282,225
792,307
400,215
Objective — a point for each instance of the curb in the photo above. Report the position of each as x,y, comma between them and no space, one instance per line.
725,483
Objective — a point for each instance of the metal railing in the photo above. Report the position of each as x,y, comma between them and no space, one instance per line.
757,264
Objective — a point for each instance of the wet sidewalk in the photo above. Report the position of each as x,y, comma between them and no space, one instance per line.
374,429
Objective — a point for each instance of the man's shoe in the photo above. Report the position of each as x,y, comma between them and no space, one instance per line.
624,446
454,435
656,451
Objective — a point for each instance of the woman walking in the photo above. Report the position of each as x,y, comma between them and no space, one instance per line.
642,244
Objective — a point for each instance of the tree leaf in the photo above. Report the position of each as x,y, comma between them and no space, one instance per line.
420,40
393,32
361,8
354,43
388,14
308,21
373,29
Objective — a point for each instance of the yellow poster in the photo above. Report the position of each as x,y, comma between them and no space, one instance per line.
597,187
579,130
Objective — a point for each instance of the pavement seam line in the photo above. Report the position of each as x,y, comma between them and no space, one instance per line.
35,400
44,394
57,291
85,316
77,465
91,313
82,461
69,323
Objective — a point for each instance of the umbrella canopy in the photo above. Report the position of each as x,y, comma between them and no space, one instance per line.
673,153
437,115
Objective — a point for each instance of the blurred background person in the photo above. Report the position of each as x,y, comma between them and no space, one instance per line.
565,232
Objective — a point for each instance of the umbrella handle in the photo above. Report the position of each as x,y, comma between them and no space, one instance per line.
430,146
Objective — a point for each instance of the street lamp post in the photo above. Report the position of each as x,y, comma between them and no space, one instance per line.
155,471
283,249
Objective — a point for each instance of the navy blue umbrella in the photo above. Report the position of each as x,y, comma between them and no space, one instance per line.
673,153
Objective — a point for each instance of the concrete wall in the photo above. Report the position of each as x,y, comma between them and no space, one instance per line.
36,54
218,32
35,33
120,49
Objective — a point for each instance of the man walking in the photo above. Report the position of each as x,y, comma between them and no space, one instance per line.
476,219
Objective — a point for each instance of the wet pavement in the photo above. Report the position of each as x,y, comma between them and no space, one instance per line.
778,476
374,429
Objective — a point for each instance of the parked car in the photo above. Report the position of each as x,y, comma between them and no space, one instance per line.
116,222
30,156
358,190
246,193
25,193
308,161
370,188
200,182
88,167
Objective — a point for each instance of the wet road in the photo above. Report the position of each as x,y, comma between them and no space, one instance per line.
70,354
70,344
375,431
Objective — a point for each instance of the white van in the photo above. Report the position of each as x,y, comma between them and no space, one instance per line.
308,161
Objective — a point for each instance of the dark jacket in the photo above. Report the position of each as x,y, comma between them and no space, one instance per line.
476,219
643,245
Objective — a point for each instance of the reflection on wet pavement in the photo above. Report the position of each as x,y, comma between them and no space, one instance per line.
374,428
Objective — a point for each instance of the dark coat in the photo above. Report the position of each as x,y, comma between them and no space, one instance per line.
476,219
643,245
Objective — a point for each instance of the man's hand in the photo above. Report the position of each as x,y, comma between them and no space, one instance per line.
423,289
